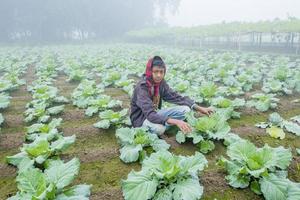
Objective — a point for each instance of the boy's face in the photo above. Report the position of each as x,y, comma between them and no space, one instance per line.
158,74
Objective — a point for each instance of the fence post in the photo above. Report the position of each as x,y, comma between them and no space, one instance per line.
239,41
298,44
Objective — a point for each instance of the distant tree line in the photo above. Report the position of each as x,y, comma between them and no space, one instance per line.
64,20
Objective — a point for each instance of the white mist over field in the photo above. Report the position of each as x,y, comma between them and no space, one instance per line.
199,12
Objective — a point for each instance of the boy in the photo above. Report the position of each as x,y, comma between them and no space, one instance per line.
147,99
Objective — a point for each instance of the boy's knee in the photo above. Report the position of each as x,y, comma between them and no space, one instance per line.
159,129
185,109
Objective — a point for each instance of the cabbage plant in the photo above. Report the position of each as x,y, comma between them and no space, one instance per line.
276,125
205,130
260,168
166,176
263,102
101,103
135,142
53,183
110,117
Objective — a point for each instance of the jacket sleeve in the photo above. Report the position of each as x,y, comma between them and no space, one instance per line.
171,96
145,103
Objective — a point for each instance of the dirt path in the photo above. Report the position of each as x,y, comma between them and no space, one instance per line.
12,134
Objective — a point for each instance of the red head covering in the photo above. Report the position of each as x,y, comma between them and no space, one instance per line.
152,86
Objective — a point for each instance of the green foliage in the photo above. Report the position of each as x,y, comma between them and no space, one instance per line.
226,107
259,168
49,131
205,128
166,176
85,92
4,100
263,102
134,142
276,124
34,184
110,117
208,90
101,103
41,149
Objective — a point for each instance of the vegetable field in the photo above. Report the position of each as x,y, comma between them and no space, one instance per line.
66,134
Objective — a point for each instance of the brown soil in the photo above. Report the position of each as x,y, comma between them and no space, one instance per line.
214,181
11,141
13,120
109,194
294,169
81,130
92,155
246,130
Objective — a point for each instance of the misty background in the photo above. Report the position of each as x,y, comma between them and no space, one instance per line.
201,12
59,21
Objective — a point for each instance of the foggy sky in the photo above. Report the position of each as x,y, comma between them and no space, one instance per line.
202,12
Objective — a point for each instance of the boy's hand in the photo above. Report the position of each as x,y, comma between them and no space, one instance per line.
182,125
203,110
206,111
